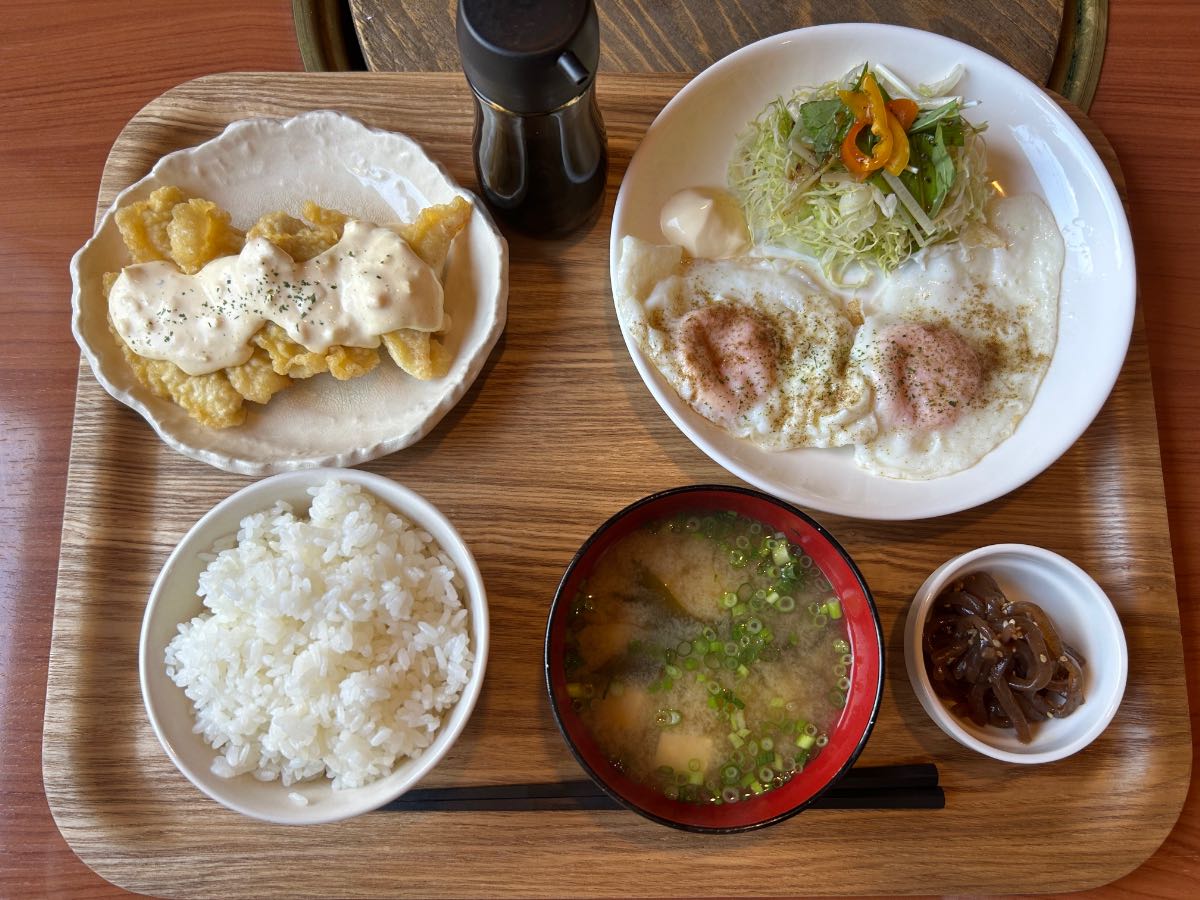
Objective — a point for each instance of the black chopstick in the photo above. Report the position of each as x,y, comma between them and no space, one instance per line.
878,787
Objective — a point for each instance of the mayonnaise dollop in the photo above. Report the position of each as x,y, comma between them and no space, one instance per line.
364,286
706,222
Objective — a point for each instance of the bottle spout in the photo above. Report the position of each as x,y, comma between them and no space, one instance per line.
575,70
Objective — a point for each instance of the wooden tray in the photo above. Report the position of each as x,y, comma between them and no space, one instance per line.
557,434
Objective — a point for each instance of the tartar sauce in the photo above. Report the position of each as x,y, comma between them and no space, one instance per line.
366,285
706,222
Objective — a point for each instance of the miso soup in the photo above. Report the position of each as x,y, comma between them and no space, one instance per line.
708,657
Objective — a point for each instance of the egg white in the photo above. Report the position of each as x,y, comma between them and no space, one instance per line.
817,399
1000,294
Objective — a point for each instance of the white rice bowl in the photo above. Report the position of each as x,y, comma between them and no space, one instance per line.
325,659
332,645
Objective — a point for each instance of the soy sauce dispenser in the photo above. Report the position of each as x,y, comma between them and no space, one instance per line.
539,144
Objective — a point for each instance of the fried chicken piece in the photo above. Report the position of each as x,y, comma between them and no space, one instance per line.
256,378
199,232
418,353
324,217
288,357
209,399
143,225
436,227
350,362
299,240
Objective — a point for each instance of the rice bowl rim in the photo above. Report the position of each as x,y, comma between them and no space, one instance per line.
173,600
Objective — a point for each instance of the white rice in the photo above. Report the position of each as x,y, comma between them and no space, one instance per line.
330,646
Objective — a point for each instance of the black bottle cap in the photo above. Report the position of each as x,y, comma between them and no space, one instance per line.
529,56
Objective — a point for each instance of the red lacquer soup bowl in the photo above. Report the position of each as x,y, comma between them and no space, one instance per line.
846,738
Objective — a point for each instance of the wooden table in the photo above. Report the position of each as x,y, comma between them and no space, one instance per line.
68,92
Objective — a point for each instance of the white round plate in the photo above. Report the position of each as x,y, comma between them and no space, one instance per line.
261,165
1033,146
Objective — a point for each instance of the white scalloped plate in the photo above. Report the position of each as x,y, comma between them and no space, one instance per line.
260,165
1033,146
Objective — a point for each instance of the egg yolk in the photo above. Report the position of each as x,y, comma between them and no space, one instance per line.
927,376
729,352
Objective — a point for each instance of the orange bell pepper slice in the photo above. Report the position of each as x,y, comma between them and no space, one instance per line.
889,123
904,110
897,162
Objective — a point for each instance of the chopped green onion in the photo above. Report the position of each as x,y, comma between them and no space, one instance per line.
735,739
756,787
731,648
743,671
847,659
709,634
696,778
729,600
668,717
739,610
712,660
674,671
691,664
822,740
730,774
716,646
780,555
811,729
766,773
834,609
766,743
776,703
683,648
694,765
805,741
730,795
840,646
786,604
745,591
754,626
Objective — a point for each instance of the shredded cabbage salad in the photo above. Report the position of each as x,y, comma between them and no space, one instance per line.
816,175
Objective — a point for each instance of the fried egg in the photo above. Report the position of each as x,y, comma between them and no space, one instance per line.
956,342
754,345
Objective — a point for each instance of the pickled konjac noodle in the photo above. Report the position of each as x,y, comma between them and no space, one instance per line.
998,662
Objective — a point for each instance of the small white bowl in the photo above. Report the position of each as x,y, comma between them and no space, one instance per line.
174,600
1084,618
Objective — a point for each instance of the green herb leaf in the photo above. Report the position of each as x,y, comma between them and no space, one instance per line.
928,119
934,177
825,124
